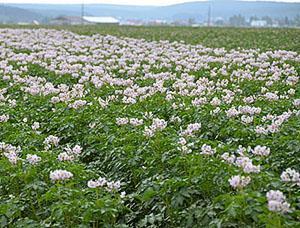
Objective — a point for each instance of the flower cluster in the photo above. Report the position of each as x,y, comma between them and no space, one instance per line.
78,104
239,182
246,164
277,202
207,150
70,153
51,141
276,122
4,118
60,175
10,152
261,150
33,159
291,175
132,121
191,128
157,125
103,182
184,147
35,126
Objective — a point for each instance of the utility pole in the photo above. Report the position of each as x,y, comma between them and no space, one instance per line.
3,19
82,12
209,15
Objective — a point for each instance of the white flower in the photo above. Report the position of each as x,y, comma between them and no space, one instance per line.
51,140
191,128
215,101
247,119
228,158
261,130
232,112
97,183
271,96
123,195
60,175
103,103
291,175
122,121
64,156
102,181
78,104
239,181
292,92
277,202
261,150
275,195
93,184
247,165
76,150
182,141
207,150
148,132
113,185
250,168
248,100
12,157
4,118
157,125
54,100
33,159
136,122
277,206
296,102
35,126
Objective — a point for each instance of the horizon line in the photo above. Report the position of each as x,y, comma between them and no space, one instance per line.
91,2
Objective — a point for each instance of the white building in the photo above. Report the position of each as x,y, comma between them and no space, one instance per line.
258,23
101,20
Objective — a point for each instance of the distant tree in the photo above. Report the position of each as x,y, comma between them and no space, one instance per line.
297,20
286,21
253,18
191,21
268,19
219,22
237,20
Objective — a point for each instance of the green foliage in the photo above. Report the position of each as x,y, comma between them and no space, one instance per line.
229,38
165,187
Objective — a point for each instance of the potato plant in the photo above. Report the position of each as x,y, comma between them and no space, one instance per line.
107,131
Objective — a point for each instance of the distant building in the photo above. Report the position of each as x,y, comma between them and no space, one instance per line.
23,23
101,20
258,23
68,20
132,22
157,22
34,22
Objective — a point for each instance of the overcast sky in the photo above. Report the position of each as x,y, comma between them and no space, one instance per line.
124,2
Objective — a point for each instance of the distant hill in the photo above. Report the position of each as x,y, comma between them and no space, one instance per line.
227,8
196,10
9,14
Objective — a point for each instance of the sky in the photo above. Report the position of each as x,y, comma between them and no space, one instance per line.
123,2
